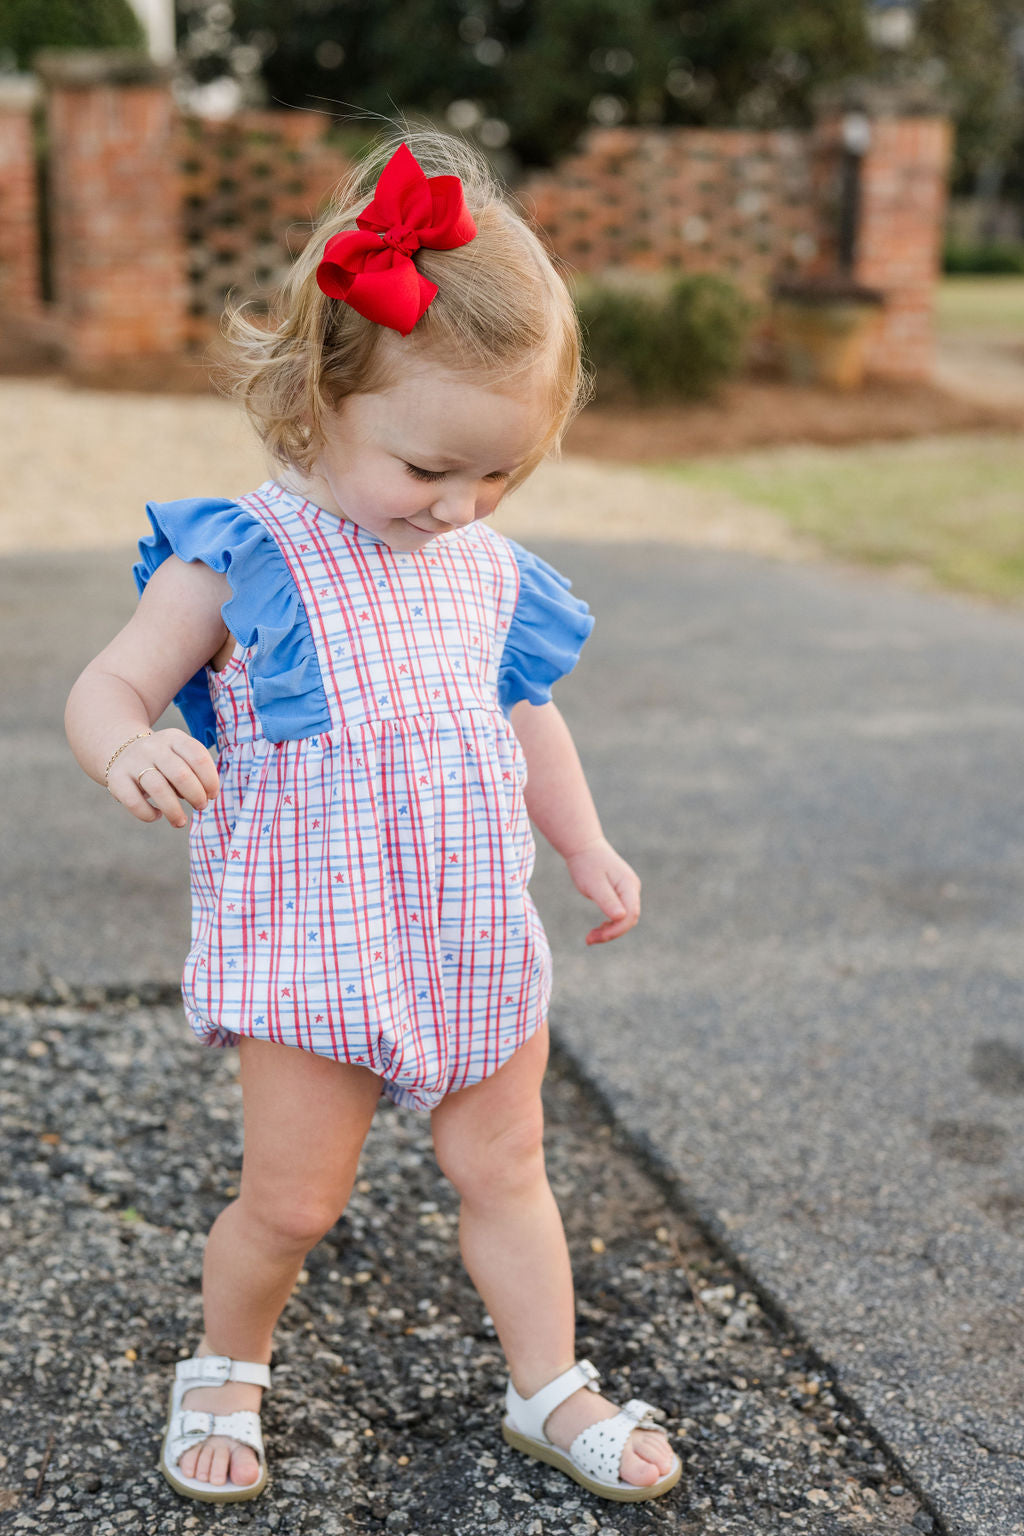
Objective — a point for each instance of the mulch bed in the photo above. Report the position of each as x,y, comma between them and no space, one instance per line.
768,413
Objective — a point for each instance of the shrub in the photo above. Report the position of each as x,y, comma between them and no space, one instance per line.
26,26
677,344
989,258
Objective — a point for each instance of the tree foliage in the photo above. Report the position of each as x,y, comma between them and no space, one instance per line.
528,75
26,26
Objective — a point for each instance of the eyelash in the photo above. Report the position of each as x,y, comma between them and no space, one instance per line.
439,474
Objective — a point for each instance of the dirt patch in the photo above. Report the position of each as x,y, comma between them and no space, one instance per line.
761,413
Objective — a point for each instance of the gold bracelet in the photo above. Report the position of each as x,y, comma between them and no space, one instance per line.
114,755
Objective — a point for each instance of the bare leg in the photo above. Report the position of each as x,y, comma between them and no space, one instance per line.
293,1189
489,1142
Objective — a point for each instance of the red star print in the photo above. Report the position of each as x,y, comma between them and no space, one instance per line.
436,693
484,933
303,548
432,562
377,955
364,615
340,879
287,992
423,778
505,775
320,1018
263,934
287,799
231,906
202,965
509,1000
403,667
414,918
235,853
453,858
322,592
316,821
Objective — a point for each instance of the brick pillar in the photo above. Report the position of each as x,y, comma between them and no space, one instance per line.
119,258
20,295
903,192
899,244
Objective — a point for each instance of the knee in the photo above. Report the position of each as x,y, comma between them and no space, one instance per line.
291,1220
498,1164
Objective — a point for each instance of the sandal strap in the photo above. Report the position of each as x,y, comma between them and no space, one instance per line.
190,1426
530,1414
597,1450
214,1370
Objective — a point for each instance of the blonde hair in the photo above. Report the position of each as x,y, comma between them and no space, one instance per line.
502,310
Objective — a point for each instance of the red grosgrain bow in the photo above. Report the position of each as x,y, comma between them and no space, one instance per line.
372,269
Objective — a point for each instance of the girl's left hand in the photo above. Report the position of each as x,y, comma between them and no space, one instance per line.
601,875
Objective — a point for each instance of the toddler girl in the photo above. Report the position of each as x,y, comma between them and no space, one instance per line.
372,664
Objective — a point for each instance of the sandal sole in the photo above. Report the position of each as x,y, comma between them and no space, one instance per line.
208,1493
621,1493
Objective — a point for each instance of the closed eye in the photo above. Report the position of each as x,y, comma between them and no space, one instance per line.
439,474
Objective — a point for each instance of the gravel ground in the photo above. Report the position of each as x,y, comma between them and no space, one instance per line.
122,1143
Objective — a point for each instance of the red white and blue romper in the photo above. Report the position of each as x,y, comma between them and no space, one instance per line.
359,886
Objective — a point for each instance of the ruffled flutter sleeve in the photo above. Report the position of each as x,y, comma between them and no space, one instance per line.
264,612
546,634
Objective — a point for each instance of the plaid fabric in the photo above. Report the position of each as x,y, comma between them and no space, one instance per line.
362,893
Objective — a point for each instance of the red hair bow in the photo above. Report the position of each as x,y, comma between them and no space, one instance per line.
372,268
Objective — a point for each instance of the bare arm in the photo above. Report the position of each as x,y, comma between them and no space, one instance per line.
560,804
176,629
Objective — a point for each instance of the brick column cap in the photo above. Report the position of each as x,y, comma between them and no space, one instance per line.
881,98
18,93
85,68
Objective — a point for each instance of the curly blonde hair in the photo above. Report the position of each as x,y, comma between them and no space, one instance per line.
503,312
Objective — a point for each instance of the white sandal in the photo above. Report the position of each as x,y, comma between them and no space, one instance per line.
188,1426
595,1455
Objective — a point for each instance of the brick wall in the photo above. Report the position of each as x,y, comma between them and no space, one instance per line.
155,218
696,200
19,229
251,187
118,249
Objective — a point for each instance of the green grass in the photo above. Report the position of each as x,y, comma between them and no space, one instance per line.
985,306
952,507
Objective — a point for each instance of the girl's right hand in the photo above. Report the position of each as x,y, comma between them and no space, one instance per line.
165,768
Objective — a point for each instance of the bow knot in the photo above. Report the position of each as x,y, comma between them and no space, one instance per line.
402,239
371,268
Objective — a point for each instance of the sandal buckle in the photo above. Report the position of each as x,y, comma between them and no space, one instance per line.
196,1424
592,1374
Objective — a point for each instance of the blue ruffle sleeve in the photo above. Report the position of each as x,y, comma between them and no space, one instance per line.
546,634
264,611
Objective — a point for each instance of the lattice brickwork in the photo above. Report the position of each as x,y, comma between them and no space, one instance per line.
251,188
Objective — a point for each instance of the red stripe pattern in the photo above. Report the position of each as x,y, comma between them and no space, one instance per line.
362,893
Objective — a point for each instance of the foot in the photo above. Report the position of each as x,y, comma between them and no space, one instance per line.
218,1458
647,1455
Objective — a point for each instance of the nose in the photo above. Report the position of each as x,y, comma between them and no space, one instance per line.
456,507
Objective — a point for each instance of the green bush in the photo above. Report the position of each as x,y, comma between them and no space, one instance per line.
26,26
679,344
988,258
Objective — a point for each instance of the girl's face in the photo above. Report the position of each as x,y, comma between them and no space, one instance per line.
430,454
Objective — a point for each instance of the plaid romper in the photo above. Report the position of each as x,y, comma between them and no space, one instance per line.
359,885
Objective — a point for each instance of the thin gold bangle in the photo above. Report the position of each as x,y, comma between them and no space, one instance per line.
114,755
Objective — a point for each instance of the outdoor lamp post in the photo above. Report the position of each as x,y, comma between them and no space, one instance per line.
892,24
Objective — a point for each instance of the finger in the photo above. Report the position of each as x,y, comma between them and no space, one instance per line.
183,778
154,786
612,930
127,794
201,763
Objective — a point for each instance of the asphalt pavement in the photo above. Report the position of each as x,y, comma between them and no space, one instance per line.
814,1035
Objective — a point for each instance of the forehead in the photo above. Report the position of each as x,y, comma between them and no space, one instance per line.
448,417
